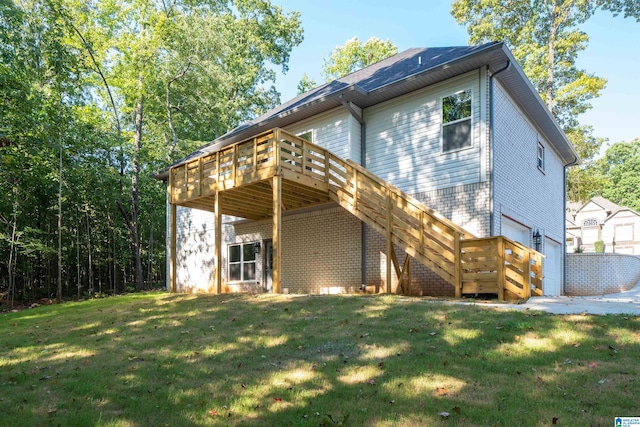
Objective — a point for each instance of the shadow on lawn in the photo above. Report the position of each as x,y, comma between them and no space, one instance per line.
241,360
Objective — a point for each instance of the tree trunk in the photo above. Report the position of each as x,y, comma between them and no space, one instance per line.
135,188
59,293
12,258
90,255
552,58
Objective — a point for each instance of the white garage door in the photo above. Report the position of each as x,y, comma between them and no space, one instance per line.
552,268
515,231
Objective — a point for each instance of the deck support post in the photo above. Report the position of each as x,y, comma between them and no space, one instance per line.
217,245
172,234
457,267
500,272
172,247
276,237
390,253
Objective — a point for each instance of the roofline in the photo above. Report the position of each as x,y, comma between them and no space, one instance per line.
533,101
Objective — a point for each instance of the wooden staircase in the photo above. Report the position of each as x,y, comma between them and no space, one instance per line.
240,177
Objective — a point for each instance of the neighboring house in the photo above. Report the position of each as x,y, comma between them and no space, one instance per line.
433,151
599,219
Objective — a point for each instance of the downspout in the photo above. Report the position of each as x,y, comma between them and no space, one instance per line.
363,163
492,145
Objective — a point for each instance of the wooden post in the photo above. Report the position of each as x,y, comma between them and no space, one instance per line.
457,264
327,167
217,245
200,175
500,262
304,157
388,235
526,267
276,148
172,247
234,164
277,234
355,190
255,155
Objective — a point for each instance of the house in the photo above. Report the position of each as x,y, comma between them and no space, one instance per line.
599,219
438,171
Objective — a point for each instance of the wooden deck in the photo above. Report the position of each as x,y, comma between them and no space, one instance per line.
276,171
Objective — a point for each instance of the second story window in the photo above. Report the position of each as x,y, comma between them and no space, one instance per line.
456,121
541,157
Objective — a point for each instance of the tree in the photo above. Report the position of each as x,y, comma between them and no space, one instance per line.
306,83
546,38
355,55
620,168
94,98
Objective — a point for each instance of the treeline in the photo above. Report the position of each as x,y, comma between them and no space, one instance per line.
94,98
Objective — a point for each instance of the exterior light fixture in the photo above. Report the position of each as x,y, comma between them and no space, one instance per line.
537,240
256,248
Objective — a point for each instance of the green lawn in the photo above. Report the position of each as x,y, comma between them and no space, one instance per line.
182,360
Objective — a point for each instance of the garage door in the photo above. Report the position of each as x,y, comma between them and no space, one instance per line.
552,268
515,231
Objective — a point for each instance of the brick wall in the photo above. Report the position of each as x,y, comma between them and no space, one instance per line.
599,274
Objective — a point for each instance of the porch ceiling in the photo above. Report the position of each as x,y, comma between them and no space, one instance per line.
255,201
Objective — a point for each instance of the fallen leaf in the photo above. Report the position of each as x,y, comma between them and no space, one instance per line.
243,386
576,344
457,410
554,420
364,335
277,399
52,411
372,381
212,413
592,364
444,414
432,333
381,365
441,391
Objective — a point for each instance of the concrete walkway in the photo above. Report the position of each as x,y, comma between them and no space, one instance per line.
627,302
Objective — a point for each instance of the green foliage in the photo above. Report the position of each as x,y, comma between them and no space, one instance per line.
355,55
72,76
306,83
598,245
621,168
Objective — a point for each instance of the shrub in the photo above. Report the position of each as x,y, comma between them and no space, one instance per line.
599,246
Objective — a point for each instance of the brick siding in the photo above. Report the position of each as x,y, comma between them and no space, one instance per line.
599,274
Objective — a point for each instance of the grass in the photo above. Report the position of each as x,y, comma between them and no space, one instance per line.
184,360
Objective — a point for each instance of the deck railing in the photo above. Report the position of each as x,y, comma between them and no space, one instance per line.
472,265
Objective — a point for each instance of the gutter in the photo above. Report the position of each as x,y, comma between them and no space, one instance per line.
491,142
574,162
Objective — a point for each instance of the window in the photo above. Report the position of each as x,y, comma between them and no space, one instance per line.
242,262
541,157
307,136
623,232
456,121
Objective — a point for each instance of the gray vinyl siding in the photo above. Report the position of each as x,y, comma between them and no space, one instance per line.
355,132
194,250
331,130
404,141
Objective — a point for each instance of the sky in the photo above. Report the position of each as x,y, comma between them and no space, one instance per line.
613,51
